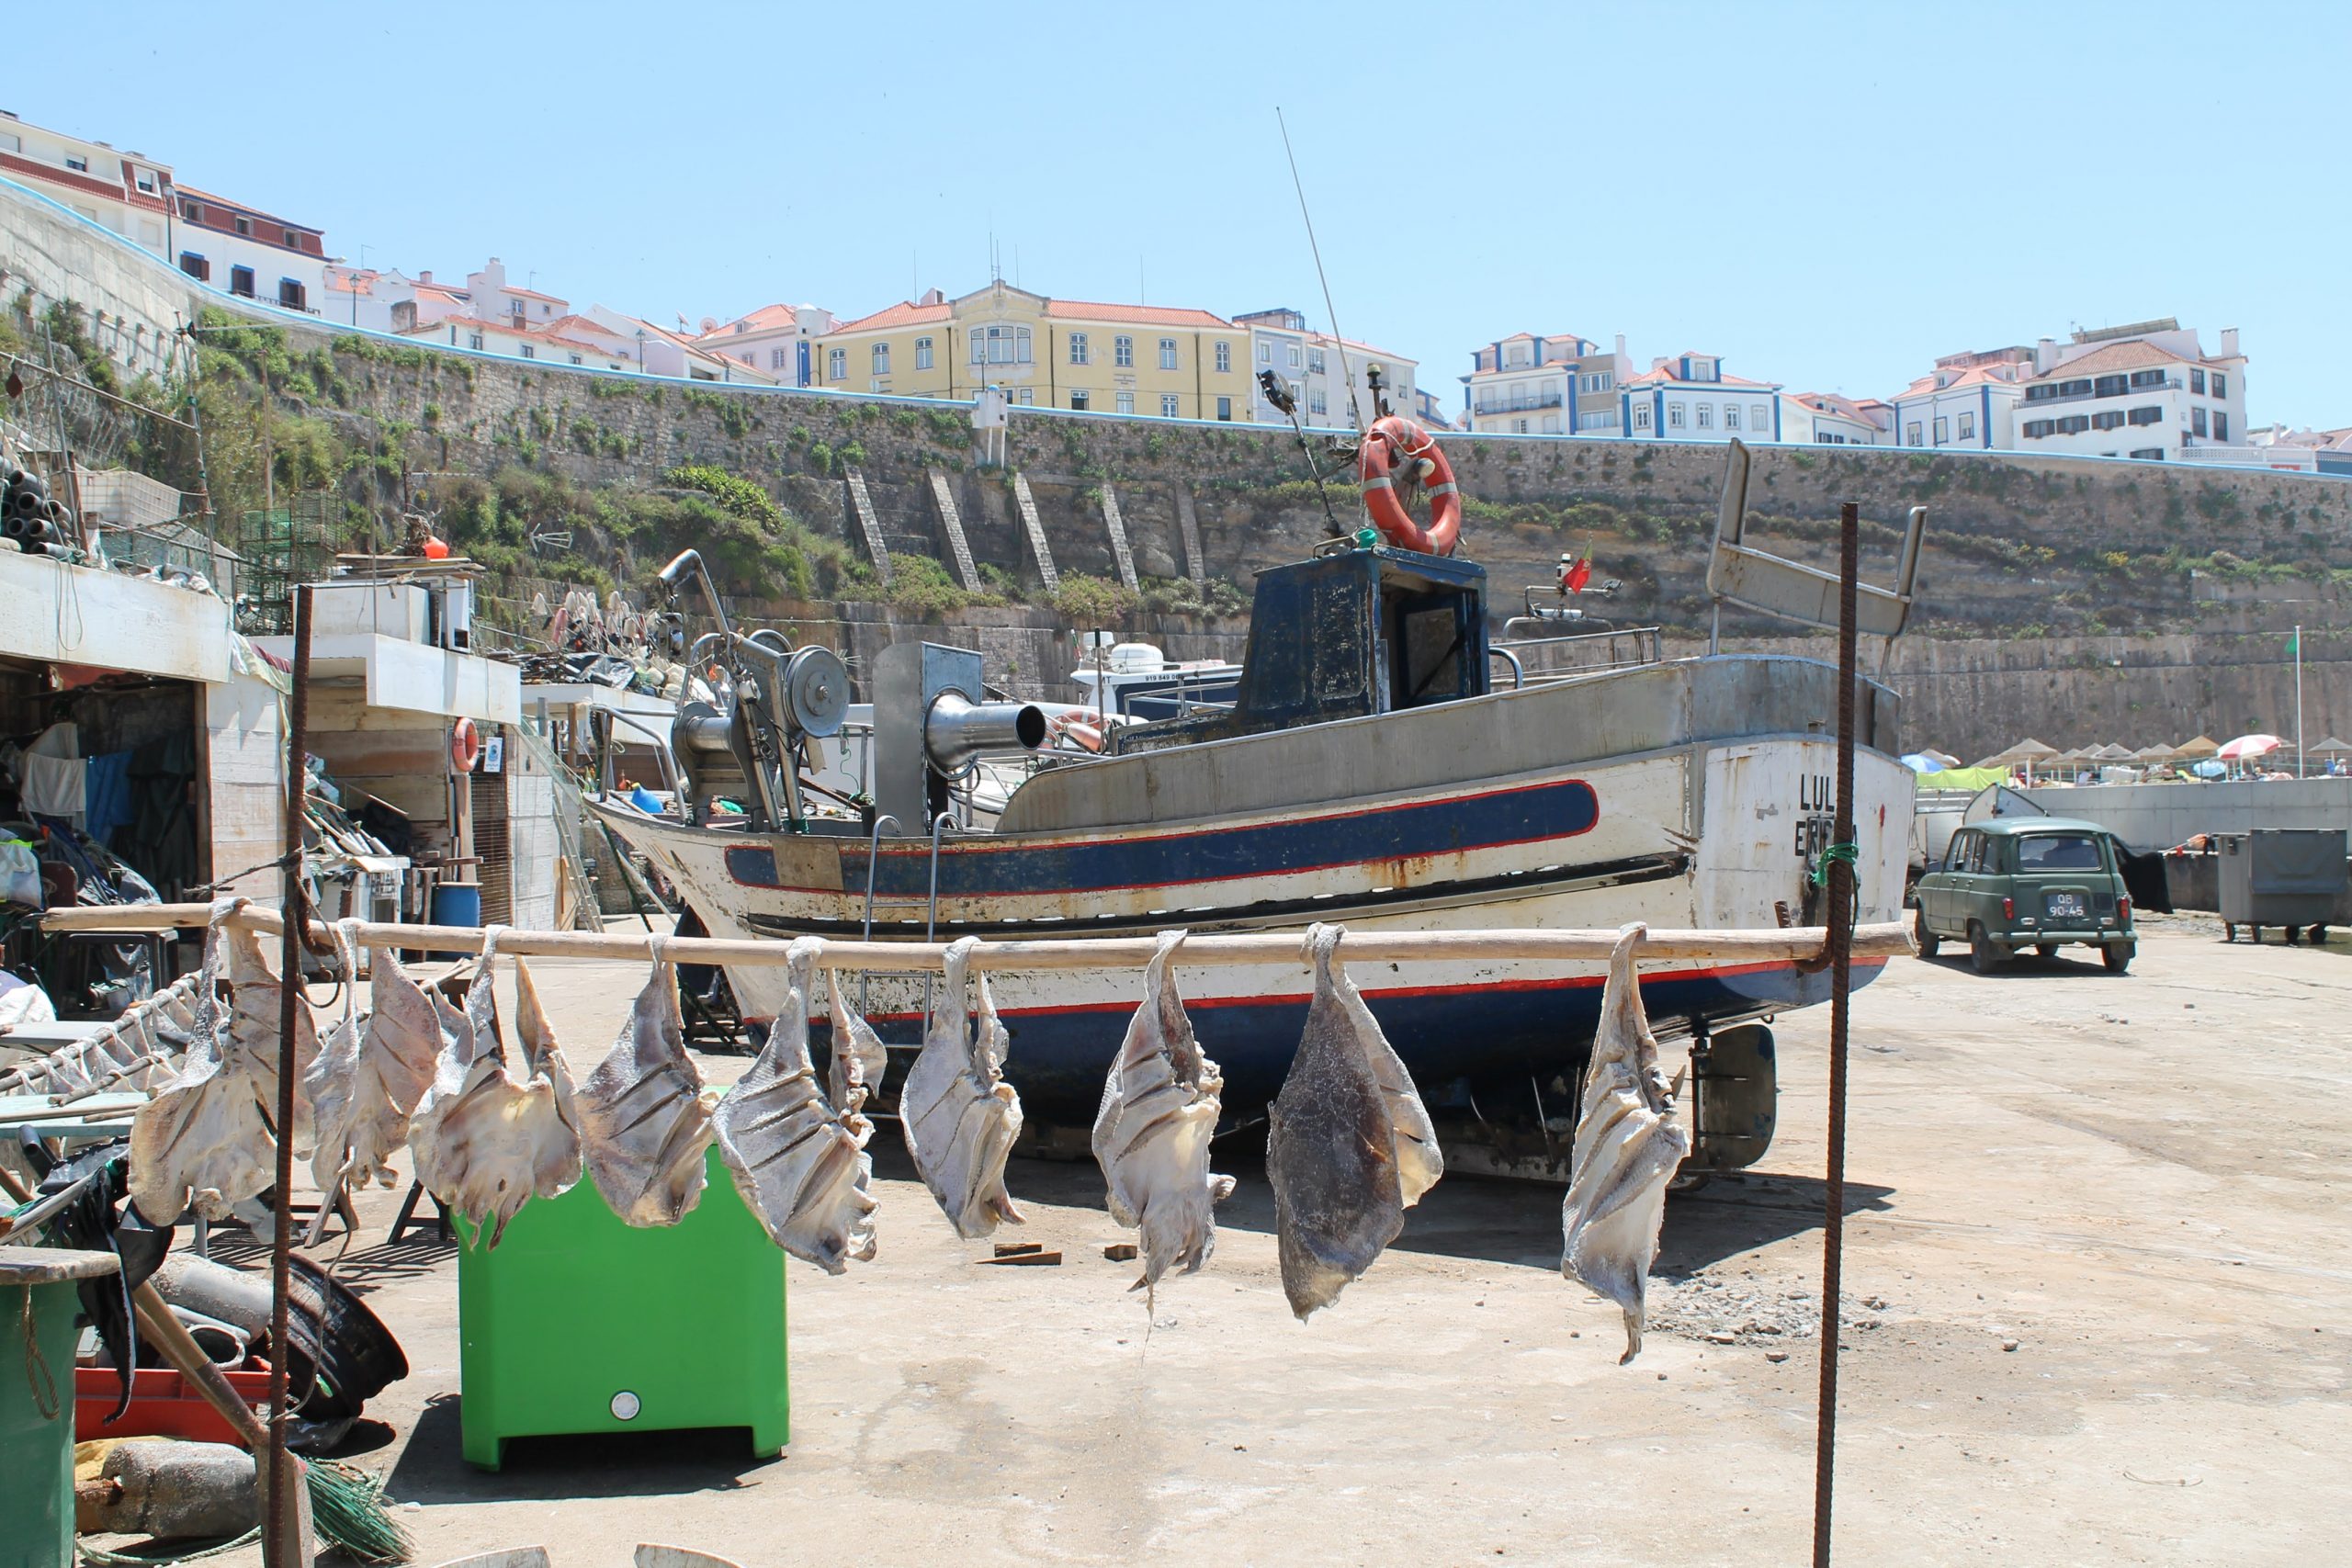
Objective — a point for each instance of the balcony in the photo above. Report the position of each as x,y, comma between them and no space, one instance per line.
1517,405
2170,383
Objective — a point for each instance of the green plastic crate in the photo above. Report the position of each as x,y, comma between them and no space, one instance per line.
579,1323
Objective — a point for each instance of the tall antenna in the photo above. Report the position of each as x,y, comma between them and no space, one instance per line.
1338,342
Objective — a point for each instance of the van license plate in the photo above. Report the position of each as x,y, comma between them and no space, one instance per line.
2066,906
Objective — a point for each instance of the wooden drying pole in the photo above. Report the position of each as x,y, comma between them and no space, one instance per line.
1842,946
1372,945
282,1541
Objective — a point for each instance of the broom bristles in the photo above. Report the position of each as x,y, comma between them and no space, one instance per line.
347,1509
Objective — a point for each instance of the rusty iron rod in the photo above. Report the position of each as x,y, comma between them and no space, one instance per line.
281,1541
1840,916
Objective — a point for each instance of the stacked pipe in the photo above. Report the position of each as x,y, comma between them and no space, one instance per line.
31,515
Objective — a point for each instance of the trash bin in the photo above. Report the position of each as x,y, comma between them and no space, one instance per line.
2281,876
37,1402
453,904
577,1322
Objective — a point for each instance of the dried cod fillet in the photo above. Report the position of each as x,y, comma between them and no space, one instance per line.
202,1140
643,1122
959,1115
800,1163
368,1077
1151,1137
1349,1144
859,1058
485,1138
1628,1147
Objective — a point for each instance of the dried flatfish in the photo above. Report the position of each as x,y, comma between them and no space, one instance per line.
799,1162
1151,1136
860,1060
202,1140
1349,1144
642,1119
959,1115
255,999
370,1076
486,1137
1628,1147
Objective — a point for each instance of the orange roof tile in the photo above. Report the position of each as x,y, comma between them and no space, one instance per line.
1140,315
531,294
2113,357
905,313
759,321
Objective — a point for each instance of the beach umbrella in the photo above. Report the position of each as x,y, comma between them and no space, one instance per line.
2117,753
2203,746
2159,752
1920,763
2208,769
2027,750
1942,758
2247,747
2332,746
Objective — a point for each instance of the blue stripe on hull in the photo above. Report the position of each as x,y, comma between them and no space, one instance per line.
1057,1058
975,869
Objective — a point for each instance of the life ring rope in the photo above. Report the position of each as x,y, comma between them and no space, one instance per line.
1393,439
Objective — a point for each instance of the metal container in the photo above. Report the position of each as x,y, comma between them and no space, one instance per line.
2281,876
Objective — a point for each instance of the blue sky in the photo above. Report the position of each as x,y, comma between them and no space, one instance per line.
1828,195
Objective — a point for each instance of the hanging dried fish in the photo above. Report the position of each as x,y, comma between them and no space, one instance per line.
202,1141
1628,1147
1151,1137
487,1138
959,1115
642,1117
800,1163
860,1060
1349,1144
255,999
370,1076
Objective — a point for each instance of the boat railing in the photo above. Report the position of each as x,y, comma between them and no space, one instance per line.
1582,653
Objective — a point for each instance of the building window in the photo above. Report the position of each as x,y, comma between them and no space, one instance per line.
2074,425
2196,422
1265,354
245,225
145,179
2108,386
2147,378
1943,430
922,354
2220,425
1168,405
1641,416
292,295
79,165
1025,396
1294,357
1000,346
1123,352
1224,405
2155,452
473,340
241,281
1315,361
576,359
2035,429
1968,425
1518,427
2152,414
1706,416
1224,364
837,365
2221,384
776,358
1674,417
293,241
1124,402
2196,381
1731,416
1077,398
529,353
881,359
1911,434
1078,353
1319,403
195,267
2107,419
192,210
1168,353
1551,424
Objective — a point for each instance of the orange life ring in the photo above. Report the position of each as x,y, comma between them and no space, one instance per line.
465,746
1396,443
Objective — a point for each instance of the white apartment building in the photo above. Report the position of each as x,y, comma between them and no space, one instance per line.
1689,398
2145,391
778,340
495,299
1967,400
126,192
1533,384
1825,419
503,337
1320,370
251,253
658,351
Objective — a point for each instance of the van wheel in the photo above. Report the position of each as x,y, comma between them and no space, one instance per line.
1985,954
2119,956
2046,949
1929,942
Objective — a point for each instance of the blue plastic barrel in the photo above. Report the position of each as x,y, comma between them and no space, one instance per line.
454,904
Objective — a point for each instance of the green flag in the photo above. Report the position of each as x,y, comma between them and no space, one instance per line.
2295,641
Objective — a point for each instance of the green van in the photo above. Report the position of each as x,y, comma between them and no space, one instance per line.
2038,882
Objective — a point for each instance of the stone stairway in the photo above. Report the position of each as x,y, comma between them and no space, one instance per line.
959,549
1118,527
1037,546
863,505
1190,525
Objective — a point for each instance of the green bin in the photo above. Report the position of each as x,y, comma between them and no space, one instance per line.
37,1401
577,1322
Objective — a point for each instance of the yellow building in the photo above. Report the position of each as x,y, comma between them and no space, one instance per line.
1064,354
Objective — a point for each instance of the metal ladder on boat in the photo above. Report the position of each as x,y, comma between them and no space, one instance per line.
1118,529
863,505
1028,505
959,549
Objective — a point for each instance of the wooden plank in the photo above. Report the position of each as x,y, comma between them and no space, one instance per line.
959,549
1890,938
1118,530
863,505
1037,531
1189,524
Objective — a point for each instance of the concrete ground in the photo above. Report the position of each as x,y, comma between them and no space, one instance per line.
2099,1311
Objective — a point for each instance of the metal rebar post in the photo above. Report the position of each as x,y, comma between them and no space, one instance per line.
1839,919
281,1536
